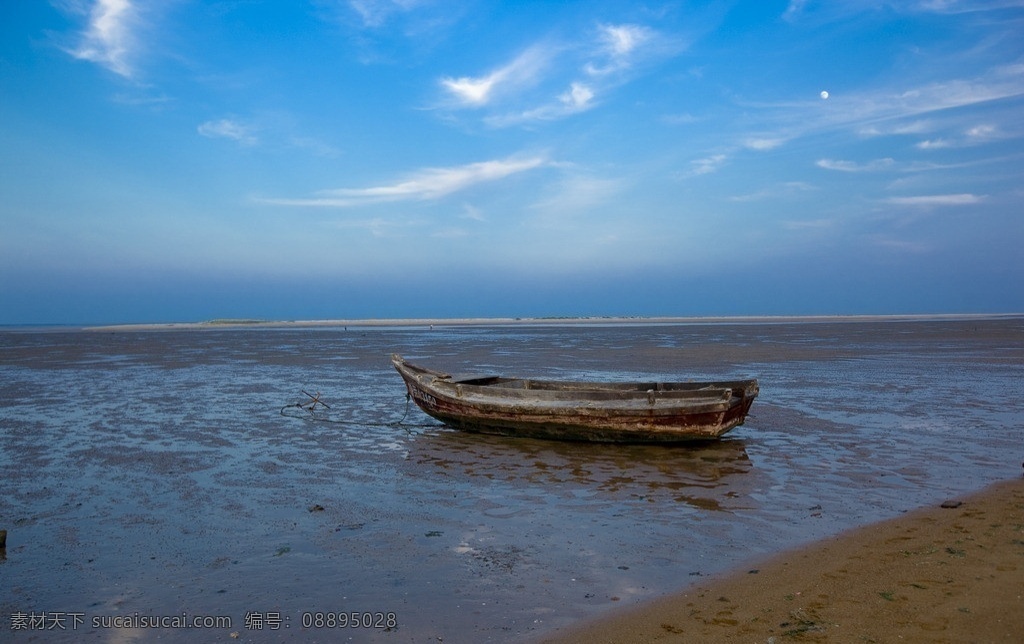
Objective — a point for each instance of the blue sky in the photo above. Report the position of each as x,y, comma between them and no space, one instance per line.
184,160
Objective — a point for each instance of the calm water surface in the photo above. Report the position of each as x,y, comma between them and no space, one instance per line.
153,473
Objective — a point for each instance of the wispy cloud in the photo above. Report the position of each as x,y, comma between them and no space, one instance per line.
618,45
964,6
707,165
108,39
316,146
522,71
783,190
938,110
933,144
900,245
622,40
886,112
763,143
426,184
836,11
963,199
810,224
383,31
469,211
679,119
550,80
375,13
376,226
882,112
228,129
983,132
793,11
999,83
914,127
578,193
579,97
975,135
928,166
140,97
851,166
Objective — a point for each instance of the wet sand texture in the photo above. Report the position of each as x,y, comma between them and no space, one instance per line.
941,574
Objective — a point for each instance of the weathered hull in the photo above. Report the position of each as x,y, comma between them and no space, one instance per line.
596,412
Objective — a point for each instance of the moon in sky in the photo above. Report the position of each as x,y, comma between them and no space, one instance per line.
824,95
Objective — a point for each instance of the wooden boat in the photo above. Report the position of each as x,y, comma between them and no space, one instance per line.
626,412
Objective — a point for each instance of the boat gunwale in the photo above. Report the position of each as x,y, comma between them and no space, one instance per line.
706,397
506,383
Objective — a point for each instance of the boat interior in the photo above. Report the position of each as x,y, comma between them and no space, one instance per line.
547,385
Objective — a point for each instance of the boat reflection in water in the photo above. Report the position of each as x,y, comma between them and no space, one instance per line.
707,475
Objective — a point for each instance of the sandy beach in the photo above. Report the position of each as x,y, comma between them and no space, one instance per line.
952,573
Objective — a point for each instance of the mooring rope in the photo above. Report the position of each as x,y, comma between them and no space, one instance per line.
311,415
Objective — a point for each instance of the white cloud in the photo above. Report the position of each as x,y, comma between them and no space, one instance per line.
623,39
524,90
934,144
977,135
963,199
929,166
794,9
472,91
852,166
578,97
469,211
763,143
376,226
786,189
617,47
810,224
108,40
901,245
966,6
838,11
316,146
888,112
982,133
375,13
679,119
228,129
707,165
427,184
998,83
622,49
523,71
578,193
450,233
914,127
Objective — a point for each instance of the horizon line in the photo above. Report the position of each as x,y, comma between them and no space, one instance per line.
237,323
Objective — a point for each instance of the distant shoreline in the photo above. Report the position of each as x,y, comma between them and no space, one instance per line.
232,323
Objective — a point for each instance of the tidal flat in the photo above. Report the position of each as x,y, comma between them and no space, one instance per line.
165,472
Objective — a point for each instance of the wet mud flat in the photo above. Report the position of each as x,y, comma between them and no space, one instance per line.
161,474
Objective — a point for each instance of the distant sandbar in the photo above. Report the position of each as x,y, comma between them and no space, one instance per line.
233,323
